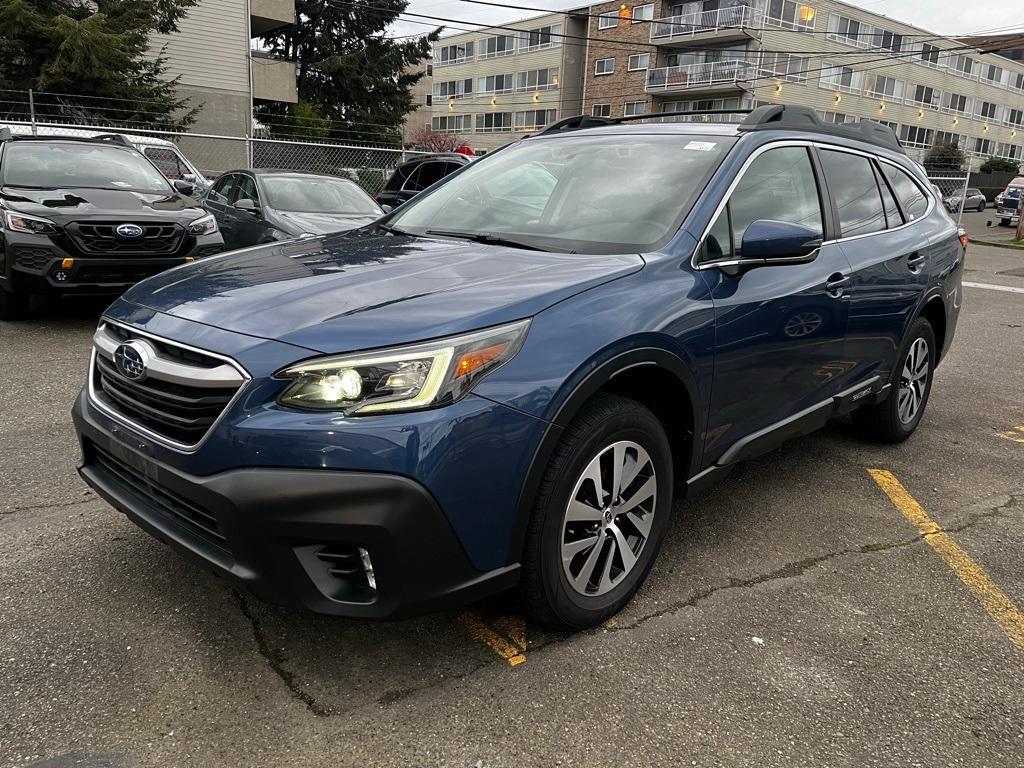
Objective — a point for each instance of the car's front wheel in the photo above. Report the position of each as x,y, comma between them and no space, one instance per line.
895,418
981,207
600,515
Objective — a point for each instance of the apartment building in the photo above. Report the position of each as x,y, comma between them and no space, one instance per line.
662,56
218,68
497,84
422,94
845,62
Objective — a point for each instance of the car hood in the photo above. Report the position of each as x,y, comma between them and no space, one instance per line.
354,291
70,204
324,223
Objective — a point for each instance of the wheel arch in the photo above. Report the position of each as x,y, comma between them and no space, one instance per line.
654,376
933,309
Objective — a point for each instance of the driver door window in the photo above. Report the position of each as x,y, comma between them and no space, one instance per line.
779,185
245,190
222,190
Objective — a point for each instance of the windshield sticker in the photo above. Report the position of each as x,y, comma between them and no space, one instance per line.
701,146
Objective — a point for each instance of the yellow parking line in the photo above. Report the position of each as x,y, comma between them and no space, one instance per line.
1016,434
511,648
993,600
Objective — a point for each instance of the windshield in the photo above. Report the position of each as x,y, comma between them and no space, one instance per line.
613,193
317,194
28,164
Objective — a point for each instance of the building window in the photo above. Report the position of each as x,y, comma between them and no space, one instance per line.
537,79
931,56
494,122
534,119
454,54
990,73
784,66
453,89
883,87
499,45
604,66
451,123
495,84
1015,117
987,110
429,99
790,15
643,12
638,61
888,41
836,117
430,70
916,136
843,29
925,96
608,20
631,108
949,138
962,65
601,110
843,79
956,104
542,37
982,146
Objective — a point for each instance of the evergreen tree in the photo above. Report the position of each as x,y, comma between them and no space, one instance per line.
350,75
944,157
90,61
999,165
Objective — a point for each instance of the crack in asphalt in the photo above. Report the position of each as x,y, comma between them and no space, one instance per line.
47,505
276,662
790,570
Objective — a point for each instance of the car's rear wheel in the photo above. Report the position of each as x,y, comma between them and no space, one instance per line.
600,515
13,305
981,207
895,418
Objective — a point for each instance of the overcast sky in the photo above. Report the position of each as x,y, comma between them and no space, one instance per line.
946,17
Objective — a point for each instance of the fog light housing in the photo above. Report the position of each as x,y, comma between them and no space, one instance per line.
368,568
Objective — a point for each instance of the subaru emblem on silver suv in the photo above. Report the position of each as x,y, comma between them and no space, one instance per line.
129,230
131,359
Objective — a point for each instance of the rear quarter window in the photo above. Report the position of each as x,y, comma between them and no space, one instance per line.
855,189
911,199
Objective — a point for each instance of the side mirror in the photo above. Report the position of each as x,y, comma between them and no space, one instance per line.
766,240
189,177
386,208
245,204
186,188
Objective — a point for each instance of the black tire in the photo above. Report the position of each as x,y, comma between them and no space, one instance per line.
981,207
882,422
13,306
1004,222
546,589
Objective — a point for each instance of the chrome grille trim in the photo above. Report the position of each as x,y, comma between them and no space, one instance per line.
229,374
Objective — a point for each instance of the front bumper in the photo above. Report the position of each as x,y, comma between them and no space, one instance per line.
38,261
273,532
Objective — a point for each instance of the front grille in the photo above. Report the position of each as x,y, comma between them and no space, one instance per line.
181,396
101,238
28,257
169,504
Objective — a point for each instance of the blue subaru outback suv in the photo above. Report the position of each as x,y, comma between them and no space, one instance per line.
507,380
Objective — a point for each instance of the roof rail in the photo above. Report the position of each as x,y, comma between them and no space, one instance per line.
114,138
579,122
6,134
799,118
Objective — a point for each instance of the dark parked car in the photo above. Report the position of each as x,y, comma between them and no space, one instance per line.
507,380
263,205
413,176
89,215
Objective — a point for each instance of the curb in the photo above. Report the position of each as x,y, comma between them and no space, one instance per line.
998,244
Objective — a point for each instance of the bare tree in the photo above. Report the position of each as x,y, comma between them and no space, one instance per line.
434,141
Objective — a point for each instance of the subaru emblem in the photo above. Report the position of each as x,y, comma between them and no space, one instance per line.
131,359
129,230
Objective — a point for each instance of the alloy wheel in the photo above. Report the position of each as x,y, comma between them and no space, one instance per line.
608,518
913,381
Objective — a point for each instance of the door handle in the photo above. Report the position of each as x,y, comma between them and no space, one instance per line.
915,261
836,283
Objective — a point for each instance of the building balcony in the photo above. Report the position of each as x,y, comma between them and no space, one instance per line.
724,25
698,79
267,15
273,79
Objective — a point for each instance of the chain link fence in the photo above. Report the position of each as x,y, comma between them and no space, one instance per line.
206,156
952,191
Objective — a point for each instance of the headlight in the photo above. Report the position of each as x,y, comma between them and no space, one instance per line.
36,225
403,378
204,225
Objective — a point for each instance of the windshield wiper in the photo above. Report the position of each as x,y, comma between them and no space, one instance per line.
484,237
396,230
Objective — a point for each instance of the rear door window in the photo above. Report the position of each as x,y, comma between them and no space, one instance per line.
852,183
893,217
911,199
424,176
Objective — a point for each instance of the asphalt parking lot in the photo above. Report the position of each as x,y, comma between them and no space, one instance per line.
797,614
